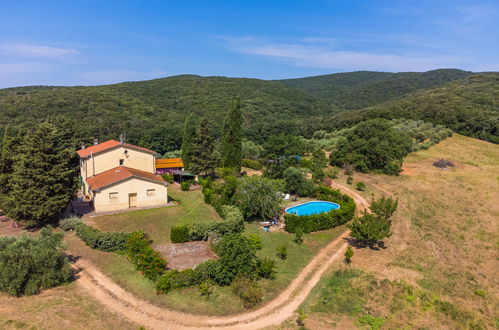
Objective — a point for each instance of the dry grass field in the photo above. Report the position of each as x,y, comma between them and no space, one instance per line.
439,269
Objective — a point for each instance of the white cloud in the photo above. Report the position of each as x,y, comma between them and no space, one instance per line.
319,55
36,51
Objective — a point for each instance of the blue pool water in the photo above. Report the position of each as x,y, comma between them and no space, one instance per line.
313,208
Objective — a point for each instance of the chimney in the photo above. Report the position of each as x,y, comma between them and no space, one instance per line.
83,146
96,142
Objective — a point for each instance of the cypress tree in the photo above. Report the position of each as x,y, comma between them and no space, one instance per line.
188,140
232,140
9,150
203,159
44,177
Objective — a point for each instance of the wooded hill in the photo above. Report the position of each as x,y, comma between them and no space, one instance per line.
356,90
151,113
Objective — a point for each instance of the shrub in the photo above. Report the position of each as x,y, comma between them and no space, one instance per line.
96,239
168,178
349,179
266,268
361,186
165,282
233,223
146,260
180,234
174,279
370,229
30,264
248,290
348,254
298,236
255,241
253,164
322,221
69,223
205,289
185,186
332,172
236,258
208,269
296,183
282,251
258,197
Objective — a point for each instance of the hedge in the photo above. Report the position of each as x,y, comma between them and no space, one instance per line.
233,223
104,241
146,260
180,234
174,279
322,221
250,163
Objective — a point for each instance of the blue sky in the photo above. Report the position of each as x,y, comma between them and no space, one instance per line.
98,42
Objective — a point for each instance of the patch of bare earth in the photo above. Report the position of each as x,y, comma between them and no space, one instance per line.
186,255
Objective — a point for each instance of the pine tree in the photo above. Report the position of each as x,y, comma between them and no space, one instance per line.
188,140
231,151
203,159
44,177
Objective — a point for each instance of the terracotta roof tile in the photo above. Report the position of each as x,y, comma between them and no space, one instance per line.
169,163
109,145
118,174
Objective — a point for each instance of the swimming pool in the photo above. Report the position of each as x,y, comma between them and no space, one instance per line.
312,208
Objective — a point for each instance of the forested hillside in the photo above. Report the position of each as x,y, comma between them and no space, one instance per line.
469,106
152,112
356,90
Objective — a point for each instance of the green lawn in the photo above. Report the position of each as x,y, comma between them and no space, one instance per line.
158,222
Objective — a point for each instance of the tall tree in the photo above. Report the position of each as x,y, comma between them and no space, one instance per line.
203,160
9,150
44,177
231,150
188,140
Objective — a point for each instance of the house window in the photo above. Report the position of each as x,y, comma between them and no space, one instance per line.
122,161
113,195
151,192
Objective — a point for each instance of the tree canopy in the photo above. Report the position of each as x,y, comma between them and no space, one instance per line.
231,149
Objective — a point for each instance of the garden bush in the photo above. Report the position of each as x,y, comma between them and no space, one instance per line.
174,279
180,234
185,186
266,268
253,164
361,186
208,269
69,223
168,178
282,251
146,260
233,223
255,241
30,264
322,221
104,241
248,290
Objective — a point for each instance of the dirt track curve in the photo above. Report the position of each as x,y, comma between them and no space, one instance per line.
273,313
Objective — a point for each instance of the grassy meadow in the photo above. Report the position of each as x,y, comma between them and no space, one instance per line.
439,268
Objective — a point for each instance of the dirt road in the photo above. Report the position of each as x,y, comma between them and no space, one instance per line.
272,314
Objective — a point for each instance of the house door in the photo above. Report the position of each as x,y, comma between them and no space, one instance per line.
132,200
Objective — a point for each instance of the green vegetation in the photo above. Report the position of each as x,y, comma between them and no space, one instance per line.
248,290
258,198
231,149
180,234
185,186
147,261
203,159
295,182
30,264
372,145
371,228
467,106
104,241
356,90
41,177
250,163
188,135
348,254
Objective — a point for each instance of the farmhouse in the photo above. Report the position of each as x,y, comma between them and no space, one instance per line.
117,175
